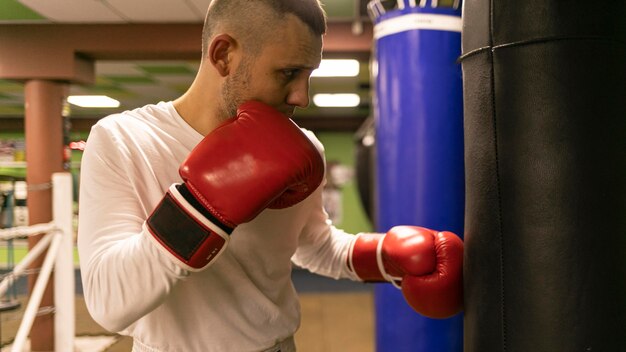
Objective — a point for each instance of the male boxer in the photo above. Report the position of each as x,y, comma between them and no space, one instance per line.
192,211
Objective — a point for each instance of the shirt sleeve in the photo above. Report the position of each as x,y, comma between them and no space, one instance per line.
124,275
323,248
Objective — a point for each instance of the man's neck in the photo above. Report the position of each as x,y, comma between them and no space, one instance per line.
200,113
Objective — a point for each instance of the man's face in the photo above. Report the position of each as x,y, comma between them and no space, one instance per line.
279,75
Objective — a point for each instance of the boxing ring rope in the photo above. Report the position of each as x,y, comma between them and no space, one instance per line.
58,239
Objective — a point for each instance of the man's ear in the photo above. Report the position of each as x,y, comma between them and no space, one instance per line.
220,51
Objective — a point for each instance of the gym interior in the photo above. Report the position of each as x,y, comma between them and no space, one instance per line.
500,121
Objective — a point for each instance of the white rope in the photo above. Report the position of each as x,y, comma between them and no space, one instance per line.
30,257
26,231
39,186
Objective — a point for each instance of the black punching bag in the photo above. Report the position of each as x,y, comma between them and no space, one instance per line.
365,139
545,157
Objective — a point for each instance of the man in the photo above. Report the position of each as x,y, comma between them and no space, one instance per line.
192,211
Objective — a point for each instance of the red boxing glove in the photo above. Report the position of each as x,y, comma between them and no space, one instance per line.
255,160
429,265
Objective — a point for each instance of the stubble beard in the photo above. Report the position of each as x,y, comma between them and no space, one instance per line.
234,90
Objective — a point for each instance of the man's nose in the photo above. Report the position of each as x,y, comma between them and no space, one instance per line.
299,95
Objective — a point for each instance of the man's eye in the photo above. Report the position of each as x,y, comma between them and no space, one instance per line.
290,73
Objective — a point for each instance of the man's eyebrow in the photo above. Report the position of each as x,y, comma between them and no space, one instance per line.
306,62
300,66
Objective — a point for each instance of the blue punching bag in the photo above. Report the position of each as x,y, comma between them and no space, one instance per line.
418,111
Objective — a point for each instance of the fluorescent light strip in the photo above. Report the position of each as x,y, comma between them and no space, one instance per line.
93,101
337,68
336,100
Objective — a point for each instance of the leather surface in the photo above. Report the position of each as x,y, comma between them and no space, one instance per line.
545,155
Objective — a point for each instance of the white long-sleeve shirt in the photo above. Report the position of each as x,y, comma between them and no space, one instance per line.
244,301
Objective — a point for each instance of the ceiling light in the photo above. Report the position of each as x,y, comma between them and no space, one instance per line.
336,100
93,101
337,68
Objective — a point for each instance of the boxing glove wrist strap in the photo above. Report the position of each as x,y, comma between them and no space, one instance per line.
381,266
189,234
195,203
365,259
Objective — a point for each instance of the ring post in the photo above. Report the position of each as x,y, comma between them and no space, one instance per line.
64,317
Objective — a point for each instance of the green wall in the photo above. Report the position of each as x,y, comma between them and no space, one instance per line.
340,146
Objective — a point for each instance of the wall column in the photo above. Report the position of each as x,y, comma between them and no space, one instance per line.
44,102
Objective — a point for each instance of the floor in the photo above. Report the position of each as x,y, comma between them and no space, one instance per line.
336,316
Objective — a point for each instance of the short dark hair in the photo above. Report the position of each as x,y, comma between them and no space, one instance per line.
254,17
